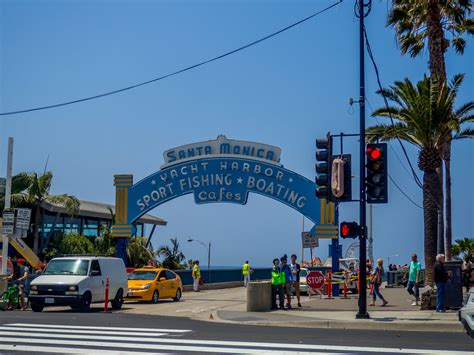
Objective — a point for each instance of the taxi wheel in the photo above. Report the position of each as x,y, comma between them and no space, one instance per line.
178,295
155,298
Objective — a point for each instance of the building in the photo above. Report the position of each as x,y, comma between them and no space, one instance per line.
88,222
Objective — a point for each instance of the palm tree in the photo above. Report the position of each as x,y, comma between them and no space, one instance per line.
137,252
464,248
173,257
33,190
419,114
441,24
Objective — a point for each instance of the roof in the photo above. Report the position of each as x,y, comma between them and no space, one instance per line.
101,210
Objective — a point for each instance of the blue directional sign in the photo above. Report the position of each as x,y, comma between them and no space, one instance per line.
223,180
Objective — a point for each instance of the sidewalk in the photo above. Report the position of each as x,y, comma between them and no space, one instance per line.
229,306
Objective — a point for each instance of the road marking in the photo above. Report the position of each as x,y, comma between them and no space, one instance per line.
51,349
149,343
98,328
91,331
153,347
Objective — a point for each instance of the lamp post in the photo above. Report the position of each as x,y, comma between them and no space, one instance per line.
396,255
208,247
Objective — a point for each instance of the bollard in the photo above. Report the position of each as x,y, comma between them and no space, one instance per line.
328,288
345,289
106,304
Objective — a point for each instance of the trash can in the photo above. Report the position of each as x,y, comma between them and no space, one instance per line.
453,297
259,296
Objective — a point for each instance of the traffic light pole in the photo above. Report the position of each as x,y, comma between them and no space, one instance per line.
362,313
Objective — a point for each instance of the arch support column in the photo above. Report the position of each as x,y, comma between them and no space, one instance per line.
121,229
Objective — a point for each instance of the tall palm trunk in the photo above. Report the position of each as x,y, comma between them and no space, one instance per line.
431,190
449,231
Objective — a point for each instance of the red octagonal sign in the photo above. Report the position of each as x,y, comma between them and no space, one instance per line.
315,279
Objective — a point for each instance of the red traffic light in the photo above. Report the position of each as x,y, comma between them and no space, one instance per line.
345,230
349,230
373,153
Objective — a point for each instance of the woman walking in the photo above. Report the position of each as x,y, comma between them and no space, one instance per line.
376,280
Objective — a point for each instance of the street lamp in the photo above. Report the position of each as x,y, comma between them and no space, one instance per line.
396,255
208,246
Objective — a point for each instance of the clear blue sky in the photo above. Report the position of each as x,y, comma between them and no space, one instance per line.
286,91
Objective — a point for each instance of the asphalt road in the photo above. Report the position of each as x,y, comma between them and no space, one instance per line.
69,332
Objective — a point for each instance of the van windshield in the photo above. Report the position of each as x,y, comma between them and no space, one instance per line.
67,267
142,275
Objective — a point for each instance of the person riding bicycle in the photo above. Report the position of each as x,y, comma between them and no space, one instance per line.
20,282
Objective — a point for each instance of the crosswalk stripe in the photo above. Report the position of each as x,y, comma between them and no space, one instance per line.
85,336
41,334
58,350
99,328
142,346
91,331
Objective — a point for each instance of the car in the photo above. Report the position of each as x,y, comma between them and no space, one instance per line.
466,314
79,281
152,284
303,284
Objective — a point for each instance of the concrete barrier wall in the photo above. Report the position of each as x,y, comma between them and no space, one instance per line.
232,275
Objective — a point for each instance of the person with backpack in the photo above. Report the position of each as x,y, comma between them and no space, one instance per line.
376,281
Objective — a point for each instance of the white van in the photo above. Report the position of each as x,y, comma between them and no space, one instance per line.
77,282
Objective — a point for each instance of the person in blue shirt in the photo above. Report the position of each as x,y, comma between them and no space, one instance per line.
285,268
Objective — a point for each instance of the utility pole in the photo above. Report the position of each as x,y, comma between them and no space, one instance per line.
8,190
362,313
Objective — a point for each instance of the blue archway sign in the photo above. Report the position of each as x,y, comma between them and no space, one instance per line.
219,171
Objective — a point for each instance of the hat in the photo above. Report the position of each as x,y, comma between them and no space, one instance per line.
20,261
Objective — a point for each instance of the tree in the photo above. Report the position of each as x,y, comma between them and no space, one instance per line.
464,248
137,252
173,257
441,24
70,244
420,117
33,190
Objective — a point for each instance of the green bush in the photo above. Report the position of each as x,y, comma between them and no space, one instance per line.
75,244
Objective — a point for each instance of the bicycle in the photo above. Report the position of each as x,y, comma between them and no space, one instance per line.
12,298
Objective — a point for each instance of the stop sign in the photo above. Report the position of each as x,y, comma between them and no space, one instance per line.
315,279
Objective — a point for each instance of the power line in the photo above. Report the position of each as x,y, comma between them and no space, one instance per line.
415,176
401,162
113,92
403,192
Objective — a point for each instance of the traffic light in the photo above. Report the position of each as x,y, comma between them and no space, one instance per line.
323,168
376,173
349,230
341,178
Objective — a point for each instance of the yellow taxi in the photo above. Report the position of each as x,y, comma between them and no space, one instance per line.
152,284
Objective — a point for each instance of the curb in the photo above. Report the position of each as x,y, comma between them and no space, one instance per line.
421,326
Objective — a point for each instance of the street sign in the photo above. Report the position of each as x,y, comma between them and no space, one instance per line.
309,240
22,223
8,222
315,279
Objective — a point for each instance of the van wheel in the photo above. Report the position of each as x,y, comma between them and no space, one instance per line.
86,302
118,300
178,295
156,297
37,307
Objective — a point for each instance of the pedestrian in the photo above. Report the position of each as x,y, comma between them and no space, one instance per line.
196,276
466,272
414,278
278,283
368,266
376,280
440,279
295,272
285,268
246,271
